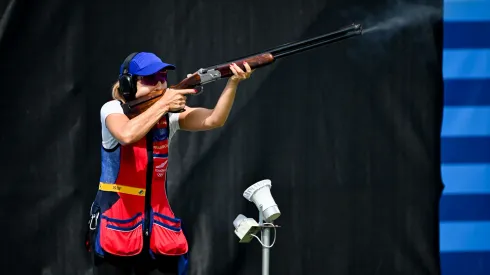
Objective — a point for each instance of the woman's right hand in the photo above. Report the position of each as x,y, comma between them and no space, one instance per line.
175,99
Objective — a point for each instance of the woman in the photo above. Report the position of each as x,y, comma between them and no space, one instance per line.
133,229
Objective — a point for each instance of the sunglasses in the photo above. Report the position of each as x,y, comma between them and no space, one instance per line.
152,80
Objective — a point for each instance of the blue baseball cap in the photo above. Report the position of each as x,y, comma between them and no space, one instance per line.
145,63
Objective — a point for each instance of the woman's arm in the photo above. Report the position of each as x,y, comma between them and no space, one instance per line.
127,131
202,119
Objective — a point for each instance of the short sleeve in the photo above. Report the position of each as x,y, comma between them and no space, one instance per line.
173,119
111,107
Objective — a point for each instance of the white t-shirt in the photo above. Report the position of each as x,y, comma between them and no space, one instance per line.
114,107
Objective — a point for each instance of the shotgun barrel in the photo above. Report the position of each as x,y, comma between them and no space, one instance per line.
257,60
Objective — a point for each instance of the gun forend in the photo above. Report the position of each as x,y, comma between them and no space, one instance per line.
214,73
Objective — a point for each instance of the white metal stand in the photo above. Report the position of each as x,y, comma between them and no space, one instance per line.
265,237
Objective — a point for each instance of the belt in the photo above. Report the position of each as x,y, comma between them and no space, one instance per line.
111,187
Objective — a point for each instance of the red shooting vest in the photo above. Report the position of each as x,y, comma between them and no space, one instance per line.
134,209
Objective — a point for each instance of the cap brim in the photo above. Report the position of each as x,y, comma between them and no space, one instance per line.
153,68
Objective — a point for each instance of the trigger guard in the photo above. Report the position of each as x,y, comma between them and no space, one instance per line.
199,90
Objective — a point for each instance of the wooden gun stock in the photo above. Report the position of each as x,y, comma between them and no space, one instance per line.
203,76
139,105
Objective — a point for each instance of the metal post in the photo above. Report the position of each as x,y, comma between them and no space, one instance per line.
266,240
265,250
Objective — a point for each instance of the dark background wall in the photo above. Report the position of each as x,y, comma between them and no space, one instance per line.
348,134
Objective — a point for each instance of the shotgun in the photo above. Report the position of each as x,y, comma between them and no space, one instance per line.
257,60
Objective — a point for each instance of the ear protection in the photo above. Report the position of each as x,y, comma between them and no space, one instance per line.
127,85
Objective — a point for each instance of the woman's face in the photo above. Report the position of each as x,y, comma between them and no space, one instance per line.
150,83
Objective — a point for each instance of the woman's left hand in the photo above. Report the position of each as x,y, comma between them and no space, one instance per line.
238,73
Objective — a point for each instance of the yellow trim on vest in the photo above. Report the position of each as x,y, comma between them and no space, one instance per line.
109,187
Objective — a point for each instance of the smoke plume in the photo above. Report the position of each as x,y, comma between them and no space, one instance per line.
386,26
400,16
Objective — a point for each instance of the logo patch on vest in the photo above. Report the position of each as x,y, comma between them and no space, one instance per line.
160,147
161,169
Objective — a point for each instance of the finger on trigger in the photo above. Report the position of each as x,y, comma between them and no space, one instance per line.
187,91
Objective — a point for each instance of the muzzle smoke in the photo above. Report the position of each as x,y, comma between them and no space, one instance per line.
401,16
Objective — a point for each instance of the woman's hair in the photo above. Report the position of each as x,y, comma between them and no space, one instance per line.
115,89
115,92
